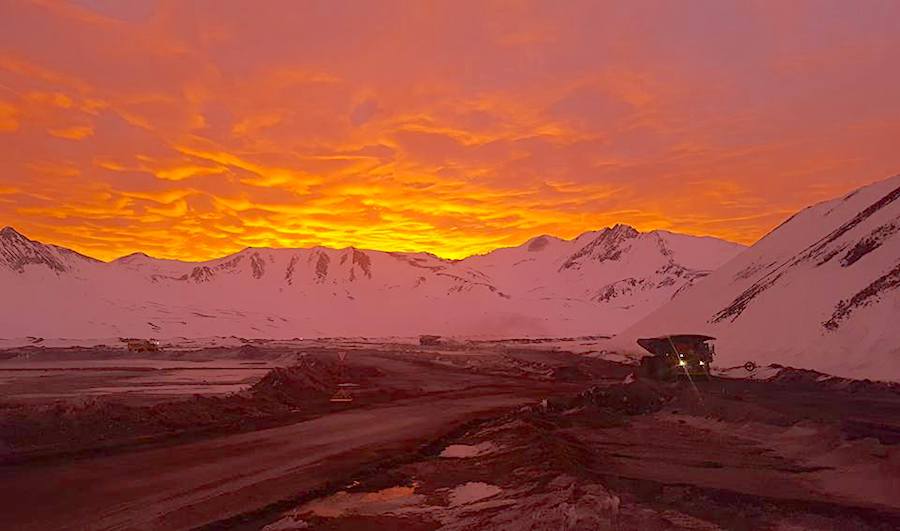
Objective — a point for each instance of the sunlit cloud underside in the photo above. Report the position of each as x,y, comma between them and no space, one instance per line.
193,129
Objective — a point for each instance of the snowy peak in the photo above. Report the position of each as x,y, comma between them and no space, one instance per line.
617,267
860,224
625,244
540,243
820,291
349,268
134,258
18,252
615,276
609,244
649,263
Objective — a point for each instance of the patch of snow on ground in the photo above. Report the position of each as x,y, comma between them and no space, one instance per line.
466,450
471,492
287,524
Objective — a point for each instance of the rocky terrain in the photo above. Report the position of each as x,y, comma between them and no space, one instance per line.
640,455
489,435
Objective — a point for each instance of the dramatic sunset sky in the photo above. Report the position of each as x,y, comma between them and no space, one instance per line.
194,129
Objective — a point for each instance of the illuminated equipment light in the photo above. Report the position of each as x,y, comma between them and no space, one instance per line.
682,363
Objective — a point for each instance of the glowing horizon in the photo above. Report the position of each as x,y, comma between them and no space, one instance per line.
194,130
336,248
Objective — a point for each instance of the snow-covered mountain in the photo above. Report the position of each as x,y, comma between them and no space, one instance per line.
820,291
598,283
17,252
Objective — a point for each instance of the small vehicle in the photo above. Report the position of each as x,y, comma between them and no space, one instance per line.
143,345
687,355
429,340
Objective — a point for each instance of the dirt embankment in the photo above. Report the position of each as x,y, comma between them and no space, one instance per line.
810,379
299,391
638,455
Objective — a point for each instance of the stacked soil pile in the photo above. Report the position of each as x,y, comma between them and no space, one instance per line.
311,380
65,427
635,398
805,378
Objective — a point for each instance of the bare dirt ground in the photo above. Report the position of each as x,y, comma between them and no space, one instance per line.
499,436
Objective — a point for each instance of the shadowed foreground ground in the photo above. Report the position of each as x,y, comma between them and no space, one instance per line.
466,439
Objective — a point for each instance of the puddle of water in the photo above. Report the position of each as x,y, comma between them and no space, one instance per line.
398,500
380,502
150,390
169,389
385,501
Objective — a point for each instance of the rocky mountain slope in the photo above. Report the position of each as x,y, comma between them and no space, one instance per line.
17,252
598,283
820,291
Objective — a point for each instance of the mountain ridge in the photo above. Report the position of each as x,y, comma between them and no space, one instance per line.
822,290
12,230
524,290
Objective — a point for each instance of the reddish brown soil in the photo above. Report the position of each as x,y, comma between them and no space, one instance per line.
405,400
568,437
284,395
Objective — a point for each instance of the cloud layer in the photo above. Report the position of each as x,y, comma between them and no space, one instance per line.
191,129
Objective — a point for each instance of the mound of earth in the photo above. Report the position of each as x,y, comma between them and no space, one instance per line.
638,397
310,379
65,427
720,454
811,378
635,398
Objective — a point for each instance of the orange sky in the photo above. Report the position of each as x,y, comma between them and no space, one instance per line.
193,129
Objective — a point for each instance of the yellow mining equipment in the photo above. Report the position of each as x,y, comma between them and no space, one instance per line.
683,355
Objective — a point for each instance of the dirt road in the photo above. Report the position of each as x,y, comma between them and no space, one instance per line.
466,440
733,455
190,485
